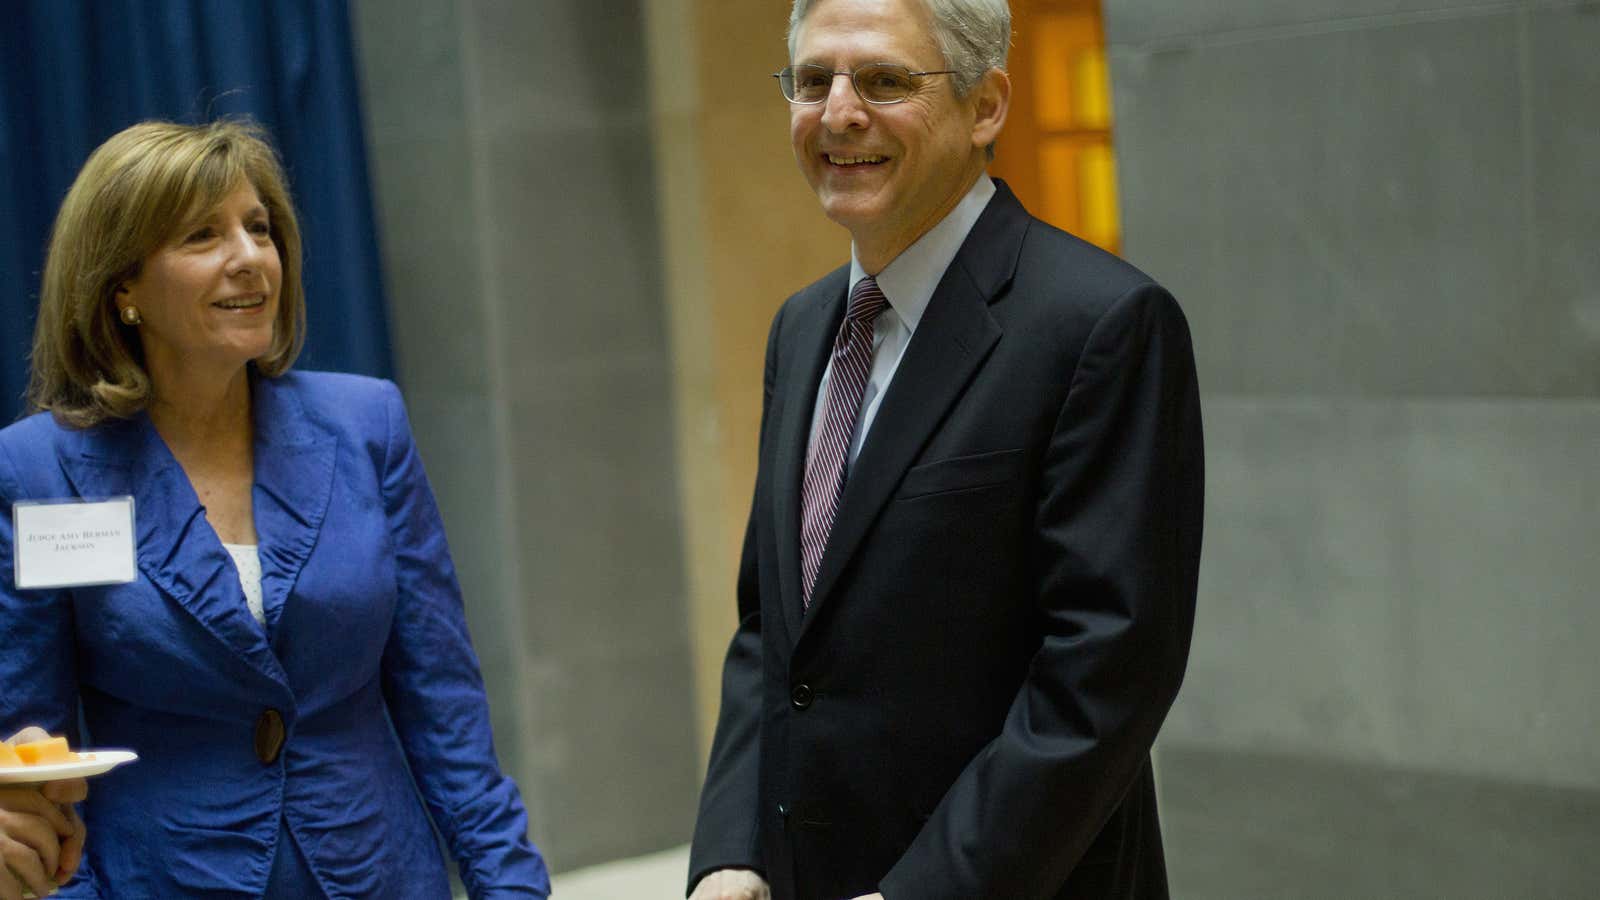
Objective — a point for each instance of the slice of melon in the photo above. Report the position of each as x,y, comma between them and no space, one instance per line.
8,756
46,752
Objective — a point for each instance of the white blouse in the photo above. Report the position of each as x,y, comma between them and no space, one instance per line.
248,561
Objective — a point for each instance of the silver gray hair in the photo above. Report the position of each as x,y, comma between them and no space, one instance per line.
973,35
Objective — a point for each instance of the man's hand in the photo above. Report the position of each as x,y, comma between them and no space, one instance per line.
732,884
41,836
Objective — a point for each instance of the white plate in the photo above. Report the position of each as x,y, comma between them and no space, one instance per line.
89,763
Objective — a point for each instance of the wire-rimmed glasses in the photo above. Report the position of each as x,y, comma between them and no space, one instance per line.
876,83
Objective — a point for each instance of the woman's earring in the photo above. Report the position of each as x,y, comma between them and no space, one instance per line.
130,315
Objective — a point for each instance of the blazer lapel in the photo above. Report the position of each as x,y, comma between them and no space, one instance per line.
177,549
817,314
294,475
954,337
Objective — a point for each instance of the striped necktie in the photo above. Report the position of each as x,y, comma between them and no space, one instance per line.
825,466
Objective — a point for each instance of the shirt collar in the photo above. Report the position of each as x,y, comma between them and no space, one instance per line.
909,280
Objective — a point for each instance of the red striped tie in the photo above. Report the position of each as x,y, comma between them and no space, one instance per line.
825,466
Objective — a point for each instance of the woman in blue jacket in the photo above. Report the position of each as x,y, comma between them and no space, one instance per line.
290,659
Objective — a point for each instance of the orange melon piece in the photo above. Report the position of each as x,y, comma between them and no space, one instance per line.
8,756
46,752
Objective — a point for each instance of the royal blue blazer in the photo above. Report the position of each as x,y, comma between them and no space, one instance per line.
365,659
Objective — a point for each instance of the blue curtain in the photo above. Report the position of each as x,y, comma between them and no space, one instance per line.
74,72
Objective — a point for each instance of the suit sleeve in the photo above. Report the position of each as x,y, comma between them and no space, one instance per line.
1116,560
727,832
435,693
38,668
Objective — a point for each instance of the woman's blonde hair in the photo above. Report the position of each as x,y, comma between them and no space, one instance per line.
135,193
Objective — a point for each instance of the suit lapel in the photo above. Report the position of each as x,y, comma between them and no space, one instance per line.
954,337
177,549
294,474
817,314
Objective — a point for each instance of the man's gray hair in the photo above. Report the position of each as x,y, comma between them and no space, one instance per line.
973,35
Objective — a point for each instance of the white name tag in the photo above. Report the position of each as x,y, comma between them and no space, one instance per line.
73,543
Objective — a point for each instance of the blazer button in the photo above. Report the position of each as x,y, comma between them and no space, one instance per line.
269,736
801,696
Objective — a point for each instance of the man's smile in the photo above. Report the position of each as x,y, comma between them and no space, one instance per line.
851,161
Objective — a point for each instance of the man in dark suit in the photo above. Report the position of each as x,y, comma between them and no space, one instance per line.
968,582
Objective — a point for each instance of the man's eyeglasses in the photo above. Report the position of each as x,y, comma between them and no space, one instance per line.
877,83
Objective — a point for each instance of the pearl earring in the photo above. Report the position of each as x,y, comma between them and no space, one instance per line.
130,315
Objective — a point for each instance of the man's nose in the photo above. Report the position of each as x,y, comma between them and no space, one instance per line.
844,107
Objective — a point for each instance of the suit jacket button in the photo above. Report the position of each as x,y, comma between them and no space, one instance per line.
801,696
269,736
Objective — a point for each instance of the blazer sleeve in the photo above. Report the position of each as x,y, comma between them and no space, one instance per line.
435,692
38,666
726,830
1116,557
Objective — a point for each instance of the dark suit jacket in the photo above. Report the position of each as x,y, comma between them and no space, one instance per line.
1004,607
366,660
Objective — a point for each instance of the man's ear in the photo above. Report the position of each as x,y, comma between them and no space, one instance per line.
991,98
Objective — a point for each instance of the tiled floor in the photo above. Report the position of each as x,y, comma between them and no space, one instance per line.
659,876
1244,826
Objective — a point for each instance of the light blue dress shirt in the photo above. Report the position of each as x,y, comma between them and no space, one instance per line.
908,283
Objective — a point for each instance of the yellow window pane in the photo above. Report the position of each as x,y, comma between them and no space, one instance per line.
1060,44
1097,177
1059,183
1091,88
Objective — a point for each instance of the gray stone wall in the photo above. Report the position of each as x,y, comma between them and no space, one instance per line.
511,152
1382,219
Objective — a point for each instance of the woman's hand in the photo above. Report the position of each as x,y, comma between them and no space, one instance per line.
41,835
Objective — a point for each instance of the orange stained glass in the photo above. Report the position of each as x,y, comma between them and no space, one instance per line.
1097,175
1069,70
1056,151
1059,183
